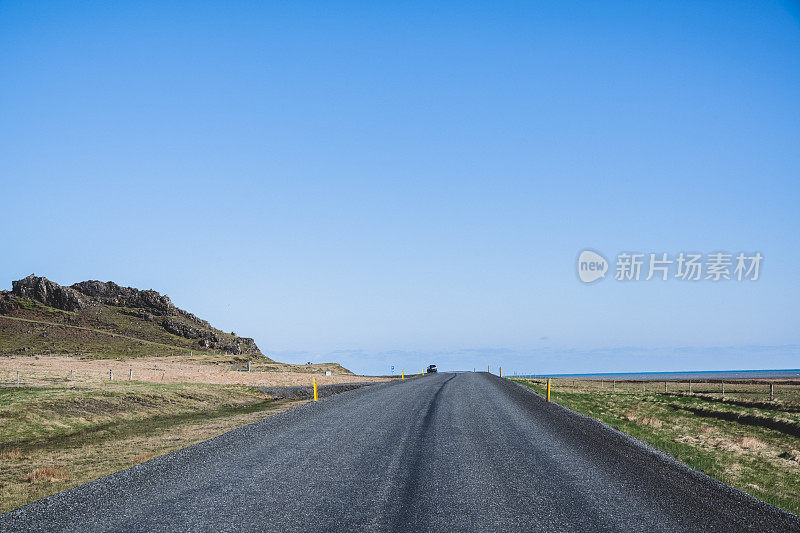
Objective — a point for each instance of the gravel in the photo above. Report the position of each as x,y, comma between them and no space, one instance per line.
306,392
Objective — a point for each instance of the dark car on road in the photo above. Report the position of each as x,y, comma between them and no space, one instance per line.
432,369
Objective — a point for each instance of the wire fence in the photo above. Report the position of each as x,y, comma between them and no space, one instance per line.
785,390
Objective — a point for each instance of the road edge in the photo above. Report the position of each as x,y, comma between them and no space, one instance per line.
667,458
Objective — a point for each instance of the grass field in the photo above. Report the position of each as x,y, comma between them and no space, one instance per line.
743,439
59,436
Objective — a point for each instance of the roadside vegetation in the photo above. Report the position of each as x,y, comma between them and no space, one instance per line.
743,439
59,436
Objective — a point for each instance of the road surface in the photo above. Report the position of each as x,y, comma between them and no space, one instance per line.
446,452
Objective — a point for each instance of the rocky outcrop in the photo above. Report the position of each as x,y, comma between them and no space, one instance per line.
209,338
48,293
110,293
7,302
149,302
176,327
239,346
148,305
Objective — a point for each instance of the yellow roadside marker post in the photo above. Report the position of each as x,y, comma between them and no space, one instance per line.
487,369
548,390
501,371
315,389
402,374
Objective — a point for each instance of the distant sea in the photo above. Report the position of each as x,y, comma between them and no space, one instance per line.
702,374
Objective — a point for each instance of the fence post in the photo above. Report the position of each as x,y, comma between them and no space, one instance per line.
70,374
665,387
723,390
690,386
130,375
110,375
248,366
643,385
771,392
613,386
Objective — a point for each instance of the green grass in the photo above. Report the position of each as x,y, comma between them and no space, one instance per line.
22,337
40,416
757,452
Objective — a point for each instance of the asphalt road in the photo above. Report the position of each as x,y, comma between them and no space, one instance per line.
451,452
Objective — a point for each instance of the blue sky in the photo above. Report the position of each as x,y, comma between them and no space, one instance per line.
381,184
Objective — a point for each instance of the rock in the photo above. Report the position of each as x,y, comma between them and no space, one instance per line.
150,301
7,303
179,328
110,293
51,294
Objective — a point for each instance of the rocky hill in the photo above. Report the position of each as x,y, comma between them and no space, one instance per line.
104,319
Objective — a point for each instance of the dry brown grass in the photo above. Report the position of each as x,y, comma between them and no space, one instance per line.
750,443
49,474
649,420
50,369
141,458
10,454
739,444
